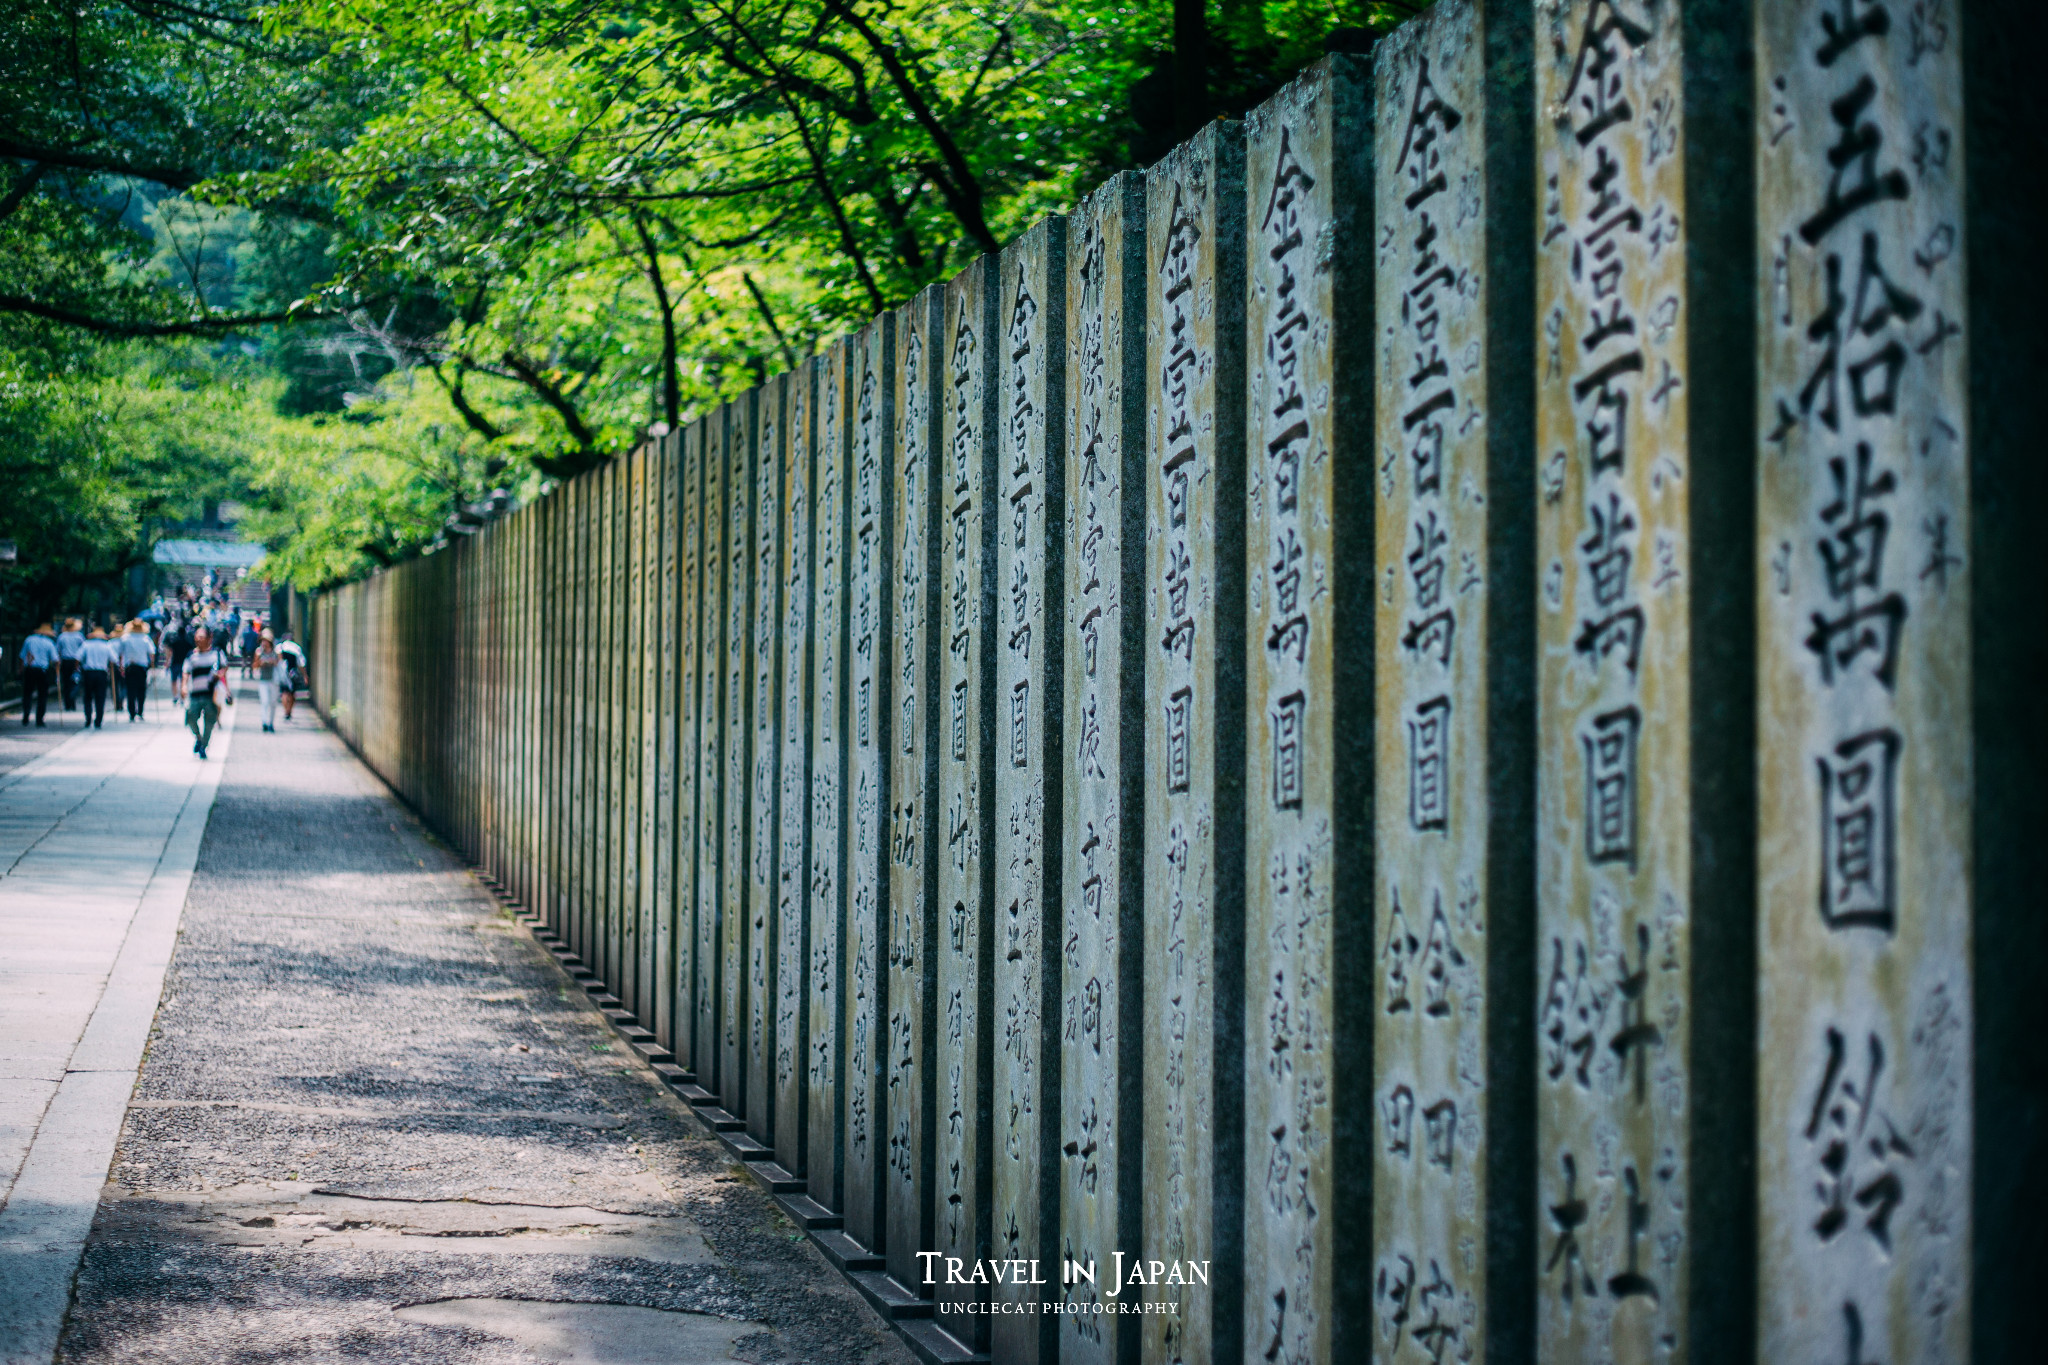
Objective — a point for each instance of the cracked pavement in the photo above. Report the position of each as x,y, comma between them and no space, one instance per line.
377,1123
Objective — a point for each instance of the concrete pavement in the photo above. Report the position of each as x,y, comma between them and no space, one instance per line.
99,832
377,1122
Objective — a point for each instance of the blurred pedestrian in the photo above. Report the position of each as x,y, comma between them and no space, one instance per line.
95,676
252,639
134,654
177,644
294,671
70,644
270,668
205,682
38,671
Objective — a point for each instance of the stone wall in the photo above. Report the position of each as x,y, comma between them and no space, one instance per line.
1383,724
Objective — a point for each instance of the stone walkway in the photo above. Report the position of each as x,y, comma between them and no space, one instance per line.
377,1123
99,831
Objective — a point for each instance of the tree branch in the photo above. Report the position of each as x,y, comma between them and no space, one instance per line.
530,375
959,185
200,326
172,177
768,316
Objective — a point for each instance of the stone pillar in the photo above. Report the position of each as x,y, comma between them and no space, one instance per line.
1454,664
1644,627
1030,549
764,710
632,687
710,745
605,944
871,379
1308,719
794,845
825,1052
971,350
912,760
692,576
1101,826
736,753
1193,643
655,637
1865,581
665,756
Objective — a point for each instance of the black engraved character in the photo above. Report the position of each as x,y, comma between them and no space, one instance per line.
1440,1131
1874,376
1288,776
1426,564
1610,748
1852,1335
1846,28
1607,420
1852,557
1637,1035
1567,1216
1392,1291
1854,182
1435,1335
1609,550
1179,705
1841,1122
1441,957
1858,870
1572,1010
1420,157
1429,758
1598,68
1631,1282
1399,952
1398,1109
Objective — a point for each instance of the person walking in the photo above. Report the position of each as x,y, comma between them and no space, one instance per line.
270,669
95,676
177,644
205,682
70,644
252,640
38,671
134,653
294,660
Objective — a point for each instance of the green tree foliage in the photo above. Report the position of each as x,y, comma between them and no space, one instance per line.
477,244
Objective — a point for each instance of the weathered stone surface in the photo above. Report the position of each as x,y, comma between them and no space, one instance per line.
912,760
970,350
1101,828
668,747
1308,856
824,1066
871,377
734,873
763,725
690,794
1030,548
1864,587
654,636
632,853
710,745
1431,719
606,938
794,847
1193,643
1614,793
